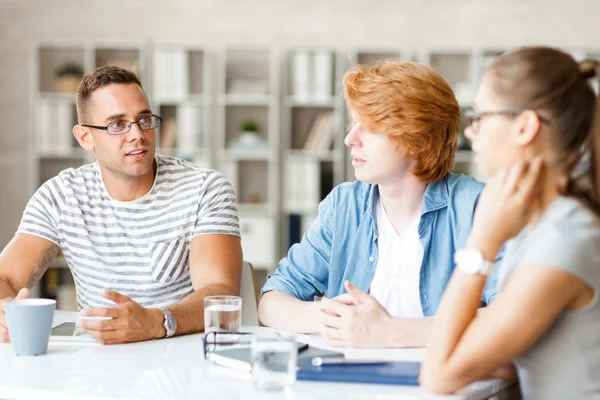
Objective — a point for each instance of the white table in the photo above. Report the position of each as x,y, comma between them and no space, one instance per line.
175,369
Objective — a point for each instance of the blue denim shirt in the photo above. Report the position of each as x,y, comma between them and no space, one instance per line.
342,243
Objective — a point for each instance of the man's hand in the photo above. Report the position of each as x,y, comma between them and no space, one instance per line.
130,322
355,319
23,294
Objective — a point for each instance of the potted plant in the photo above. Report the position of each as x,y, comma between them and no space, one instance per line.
249,137
68,77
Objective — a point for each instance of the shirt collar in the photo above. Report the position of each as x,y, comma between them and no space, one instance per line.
435,198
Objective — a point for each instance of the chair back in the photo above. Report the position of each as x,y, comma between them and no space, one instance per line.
249,296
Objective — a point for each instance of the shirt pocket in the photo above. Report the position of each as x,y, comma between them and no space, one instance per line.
169,259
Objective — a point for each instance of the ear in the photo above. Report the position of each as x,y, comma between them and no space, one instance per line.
84,137
529,127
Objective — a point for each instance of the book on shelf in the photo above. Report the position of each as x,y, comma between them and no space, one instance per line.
323,76
302,183
55,120
302,75
312,75
230,171
170,77
189,126
320,135
298,225
168,133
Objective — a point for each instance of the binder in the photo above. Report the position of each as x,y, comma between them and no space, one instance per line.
390,373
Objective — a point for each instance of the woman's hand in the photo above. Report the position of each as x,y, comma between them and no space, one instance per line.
505,206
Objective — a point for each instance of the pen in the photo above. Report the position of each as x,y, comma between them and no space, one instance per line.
318,361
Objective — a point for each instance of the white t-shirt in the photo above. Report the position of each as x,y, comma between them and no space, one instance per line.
396,281
139,248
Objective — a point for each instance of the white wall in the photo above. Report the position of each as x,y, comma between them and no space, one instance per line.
387,23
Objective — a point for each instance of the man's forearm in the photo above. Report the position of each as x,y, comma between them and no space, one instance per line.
408,332
279,310
5,289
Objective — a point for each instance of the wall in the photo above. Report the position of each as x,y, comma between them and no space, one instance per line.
368,23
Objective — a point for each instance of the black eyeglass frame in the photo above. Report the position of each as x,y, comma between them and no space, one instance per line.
128,128
474,117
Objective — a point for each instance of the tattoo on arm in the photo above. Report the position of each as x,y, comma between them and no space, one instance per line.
47,259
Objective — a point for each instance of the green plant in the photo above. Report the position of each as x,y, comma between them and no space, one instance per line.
69,68
250,125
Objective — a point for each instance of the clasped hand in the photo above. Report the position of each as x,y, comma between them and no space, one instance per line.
355,319
129,321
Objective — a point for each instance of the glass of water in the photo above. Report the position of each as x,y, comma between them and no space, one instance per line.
222,313
274,361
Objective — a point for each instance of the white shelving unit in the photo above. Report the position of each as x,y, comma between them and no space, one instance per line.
205,94
312,134
248,89
182,93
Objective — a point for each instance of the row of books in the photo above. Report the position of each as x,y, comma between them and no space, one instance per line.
170,75
313,74
55,120
184,130
302,178
321,133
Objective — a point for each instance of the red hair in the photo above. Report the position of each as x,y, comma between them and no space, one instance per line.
412,104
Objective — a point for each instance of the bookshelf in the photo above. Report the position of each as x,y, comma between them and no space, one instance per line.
312,134
181,92
291,98
247,143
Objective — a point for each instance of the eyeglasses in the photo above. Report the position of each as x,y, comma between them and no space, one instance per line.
474,117
120,127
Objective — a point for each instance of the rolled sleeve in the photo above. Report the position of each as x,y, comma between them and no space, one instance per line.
304,273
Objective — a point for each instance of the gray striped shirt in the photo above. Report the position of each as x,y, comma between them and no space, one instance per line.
139,248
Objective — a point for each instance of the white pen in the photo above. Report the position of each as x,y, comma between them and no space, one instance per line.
318,361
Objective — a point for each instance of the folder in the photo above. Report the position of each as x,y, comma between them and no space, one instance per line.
240,358
390,373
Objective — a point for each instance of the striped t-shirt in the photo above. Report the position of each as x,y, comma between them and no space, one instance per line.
139,248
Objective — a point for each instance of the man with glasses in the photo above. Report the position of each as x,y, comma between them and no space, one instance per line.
146,237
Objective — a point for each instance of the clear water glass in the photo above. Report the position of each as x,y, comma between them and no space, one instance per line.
274,361
222,313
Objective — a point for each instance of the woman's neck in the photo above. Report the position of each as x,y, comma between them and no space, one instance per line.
546,193
402,201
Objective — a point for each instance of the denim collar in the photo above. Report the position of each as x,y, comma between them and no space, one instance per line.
435,198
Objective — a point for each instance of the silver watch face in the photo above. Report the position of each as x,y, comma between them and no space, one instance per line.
170,324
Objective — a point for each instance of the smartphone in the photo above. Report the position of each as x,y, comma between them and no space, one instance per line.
69,331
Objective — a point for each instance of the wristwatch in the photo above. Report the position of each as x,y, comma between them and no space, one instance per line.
170,323
471,261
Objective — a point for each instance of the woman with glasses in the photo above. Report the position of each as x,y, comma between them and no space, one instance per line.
534,119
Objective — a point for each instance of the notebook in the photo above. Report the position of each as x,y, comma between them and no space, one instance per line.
239,358
391,373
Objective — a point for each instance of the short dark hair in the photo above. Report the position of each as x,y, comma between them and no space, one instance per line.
98,78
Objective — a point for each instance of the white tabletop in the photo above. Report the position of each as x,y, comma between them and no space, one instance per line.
175,369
